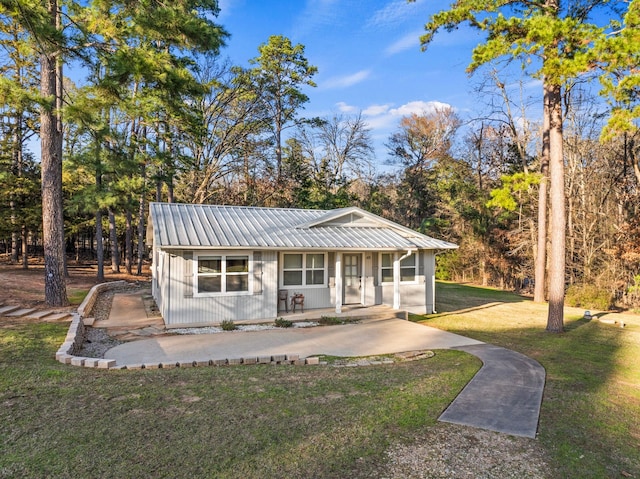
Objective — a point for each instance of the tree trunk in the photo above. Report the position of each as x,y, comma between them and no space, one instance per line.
128,257
141,223
541,250
55,290
99,245
113,238
555,319
25,256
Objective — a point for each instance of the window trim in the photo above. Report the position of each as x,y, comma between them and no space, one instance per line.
304,254
401,254
223,255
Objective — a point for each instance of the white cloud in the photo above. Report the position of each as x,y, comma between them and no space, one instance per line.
410,40
381,117
418,107
345,108
375,110
347,80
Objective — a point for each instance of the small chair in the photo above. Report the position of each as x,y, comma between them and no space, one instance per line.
283,297
297,299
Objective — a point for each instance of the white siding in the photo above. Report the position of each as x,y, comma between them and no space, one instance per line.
189,310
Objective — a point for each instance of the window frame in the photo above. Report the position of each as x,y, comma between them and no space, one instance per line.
304,270
223,255
415,267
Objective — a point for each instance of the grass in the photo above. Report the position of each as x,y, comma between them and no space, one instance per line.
279,421
232,422
590,417
76,296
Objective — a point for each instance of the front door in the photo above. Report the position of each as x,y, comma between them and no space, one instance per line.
352,275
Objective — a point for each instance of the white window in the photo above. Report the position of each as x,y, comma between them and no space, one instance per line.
408,268
223,274
304,269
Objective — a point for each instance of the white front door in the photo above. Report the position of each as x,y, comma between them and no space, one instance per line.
352,278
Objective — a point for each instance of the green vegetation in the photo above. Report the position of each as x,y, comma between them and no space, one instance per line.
76,296
588,296
229,422
334,320
283,323
228,325
591,408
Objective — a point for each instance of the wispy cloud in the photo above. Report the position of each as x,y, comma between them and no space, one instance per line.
346,108
227,6
393,13
375,110
407,42
346,80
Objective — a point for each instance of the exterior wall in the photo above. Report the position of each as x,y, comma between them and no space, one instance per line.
173,279
183,308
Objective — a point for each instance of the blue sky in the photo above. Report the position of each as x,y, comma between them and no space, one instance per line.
367,53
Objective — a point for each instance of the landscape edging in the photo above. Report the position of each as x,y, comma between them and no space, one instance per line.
75,337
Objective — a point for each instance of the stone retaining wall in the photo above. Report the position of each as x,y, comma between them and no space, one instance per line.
85,308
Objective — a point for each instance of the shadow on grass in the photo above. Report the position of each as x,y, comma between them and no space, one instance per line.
591,406
452,297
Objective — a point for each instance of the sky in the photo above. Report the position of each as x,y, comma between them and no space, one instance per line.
367,53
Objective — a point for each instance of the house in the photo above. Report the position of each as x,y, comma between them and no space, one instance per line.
213,263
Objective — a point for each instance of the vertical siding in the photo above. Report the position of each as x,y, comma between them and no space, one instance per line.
187,309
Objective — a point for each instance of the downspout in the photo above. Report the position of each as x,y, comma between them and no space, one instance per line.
396,278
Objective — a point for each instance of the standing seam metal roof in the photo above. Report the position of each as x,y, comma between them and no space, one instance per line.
178,225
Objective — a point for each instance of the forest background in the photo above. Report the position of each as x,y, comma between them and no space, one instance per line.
160,115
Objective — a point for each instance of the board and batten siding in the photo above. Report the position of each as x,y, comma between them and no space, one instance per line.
186,309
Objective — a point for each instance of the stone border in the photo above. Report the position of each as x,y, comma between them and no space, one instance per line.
75,337
89,302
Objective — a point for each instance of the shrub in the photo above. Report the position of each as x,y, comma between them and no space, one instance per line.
283,323
588,296
228,325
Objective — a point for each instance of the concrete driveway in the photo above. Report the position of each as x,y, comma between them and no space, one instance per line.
504,396
369,337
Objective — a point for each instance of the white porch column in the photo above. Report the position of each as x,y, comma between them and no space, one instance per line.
430,281
338,282
396,280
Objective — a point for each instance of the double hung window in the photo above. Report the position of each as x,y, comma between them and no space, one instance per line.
224,273
303,269
408,267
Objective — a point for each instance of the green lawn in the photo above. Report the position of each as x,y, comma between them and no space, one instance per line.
234,422
590,418
314,421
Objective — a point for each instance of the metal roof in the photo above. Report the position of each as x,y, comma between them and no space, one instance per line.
189,226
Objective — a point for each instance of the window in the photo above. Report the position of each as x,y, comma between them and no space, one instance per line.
303,269
407,268
223,274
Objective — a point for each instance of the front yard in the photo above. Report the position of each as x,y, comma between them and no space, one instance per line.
325,422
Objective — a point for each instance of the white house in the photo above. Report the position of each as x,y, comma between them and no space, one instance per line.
213,263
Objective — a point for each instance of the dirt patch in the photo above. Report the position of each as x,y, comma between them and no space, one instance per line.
25,287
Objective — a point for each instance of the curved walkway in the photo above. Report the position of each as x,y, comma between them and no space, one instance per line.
504,396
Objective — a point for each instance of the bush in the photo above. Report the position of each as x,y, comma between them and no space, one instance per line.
228,325
283,323
588,296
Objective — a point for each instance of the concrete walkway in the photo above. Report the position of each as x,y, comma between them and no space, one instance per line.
504,396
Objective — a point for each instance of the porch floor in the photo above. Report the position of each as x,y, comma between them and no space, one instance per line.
380,311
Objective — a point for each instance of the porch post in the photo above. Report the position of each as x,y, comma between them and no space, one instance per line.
396,280
430,281
338,282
